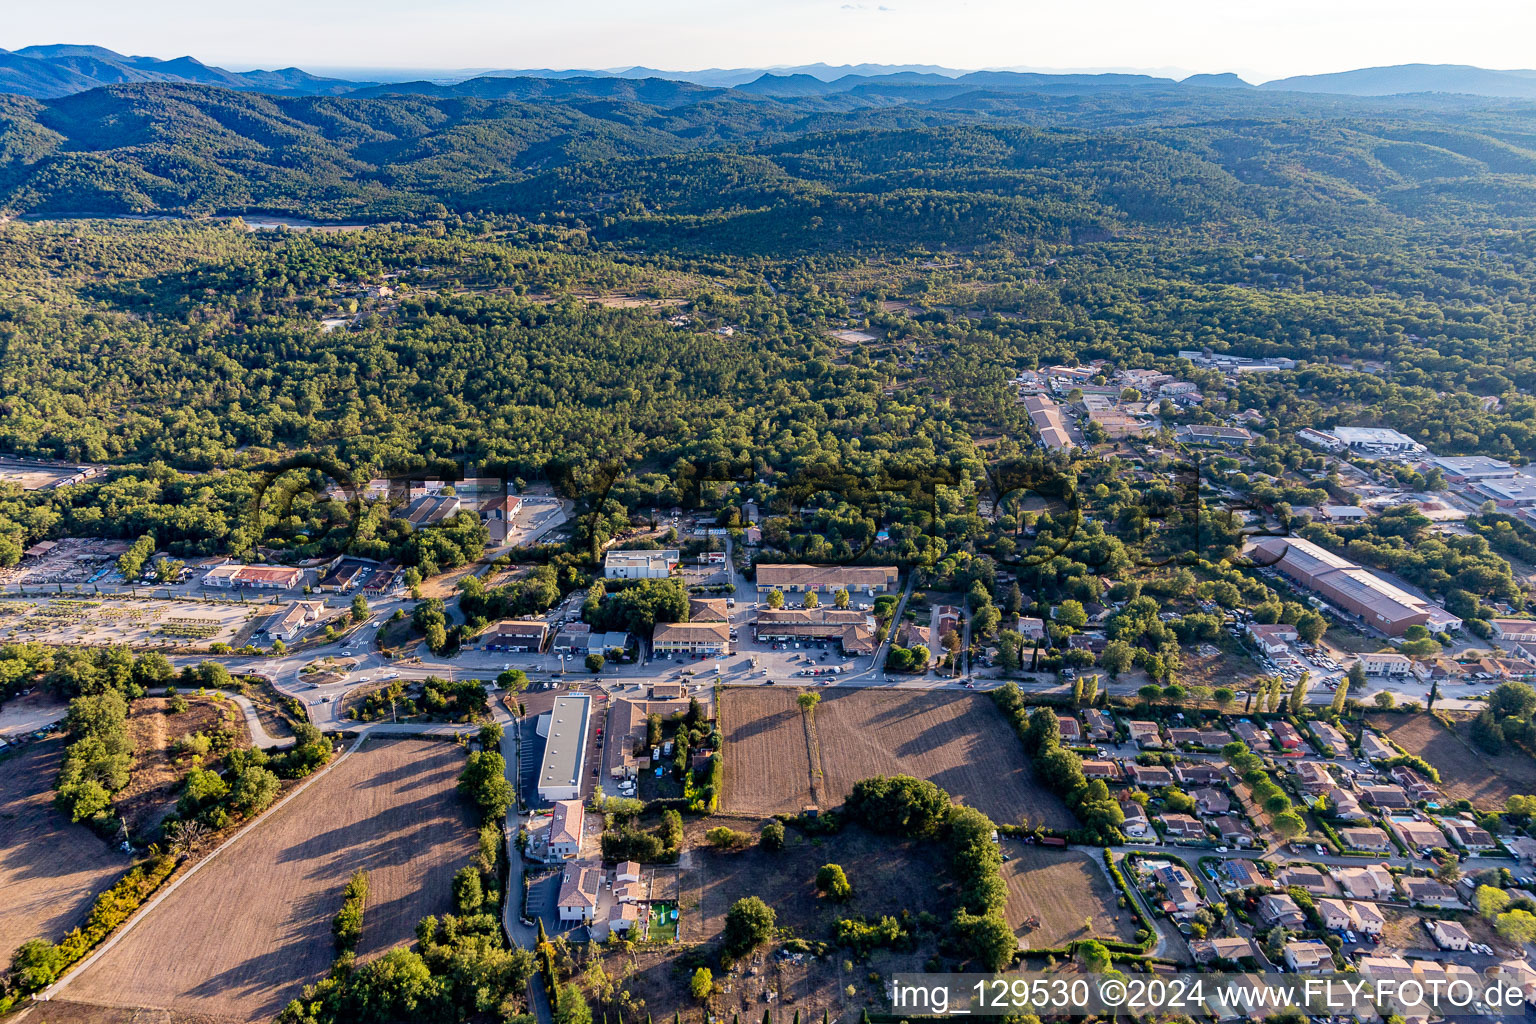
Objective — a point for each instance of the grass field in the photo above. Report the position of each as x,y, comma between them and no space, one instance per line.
241,937
1466,773
50,870
1061,888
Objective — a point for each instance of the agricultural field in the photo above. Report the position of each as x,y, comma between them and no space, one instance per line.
1466,773
258,914
164,744
50,870
767,755
882,871
1051,893
136,622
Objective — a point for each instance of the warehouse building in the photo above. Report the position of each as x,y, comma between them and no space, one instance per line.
564,731
1351,587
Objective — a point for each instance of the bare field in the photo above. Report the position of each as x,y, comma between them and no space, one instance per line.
50,869
960,742
258,915
1060,890
767,760
1466,773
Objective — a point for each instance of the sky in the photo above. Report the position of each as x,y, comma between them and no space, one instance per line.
1258,39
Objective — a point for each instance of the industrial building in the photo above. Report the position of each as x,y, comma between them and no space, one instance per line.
640,565
1350,587
1458,469
1375,440
564,731
1046,415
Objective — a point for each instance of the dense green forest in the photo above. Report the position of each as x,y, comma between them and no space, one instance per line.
537,254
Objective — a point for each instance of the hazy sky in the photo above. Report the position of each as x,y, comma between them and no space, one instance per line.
1259,39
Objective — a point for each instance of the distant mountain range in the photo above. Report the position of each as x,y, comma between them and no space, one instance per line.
47,72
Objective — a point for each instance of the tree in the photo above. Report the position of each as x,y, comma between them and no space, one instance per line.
1512,700
359,608
841,598
749,923
1339,696
1095,956
1288,824
36,964
775,599
831,880
513,681
773,836
1385,701
1518,926
1298,700
571,1006
808,701
1311,627
594,662
811,600
254,789
702,985
1070,613
1489,901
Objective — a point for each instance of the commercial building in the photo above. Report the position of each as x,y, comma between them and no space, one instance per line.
1385,663
288,625
258,577
1200,433
1514,630
1375,440
524,635
430,509
1460,469
793,578
691,638
1351,587
1510,493
564,731
640,565
809,623
1048,421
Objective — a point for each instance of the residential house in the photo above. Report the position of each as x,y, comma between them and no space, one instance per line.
1032,628
1071,731
1215,737
1286,735
1332,740
1415,785
1245,874
1372,882
1278,908
1307,955
1228,948
1100,726
1146,735
1371,840
1310,879
1137,825
1385,797
1449,934
1210,802
627,872
1236,832
1183,826
1335,914
1151,775
1109,771
579,888
1184,737
1179,889
1467,835
1375,748
1344,805
1417,835
1440,670
1368,918
1199,773
565,829
1314,778
1251,735
1514,630
289,625
1418,889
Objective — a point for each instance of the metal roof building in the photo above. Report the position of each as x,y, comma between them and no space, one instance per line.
1350,587
564,728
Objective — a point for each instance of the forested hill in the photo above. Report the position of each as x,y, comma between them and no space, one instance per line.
670,164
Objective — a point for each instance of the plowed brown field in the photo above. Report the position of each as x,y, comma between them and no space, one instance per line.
240,938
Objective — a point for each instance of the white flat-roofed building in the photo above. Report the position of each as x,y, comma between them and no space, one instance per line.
1468,468
1375,439
564,729
640,565
1511,493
